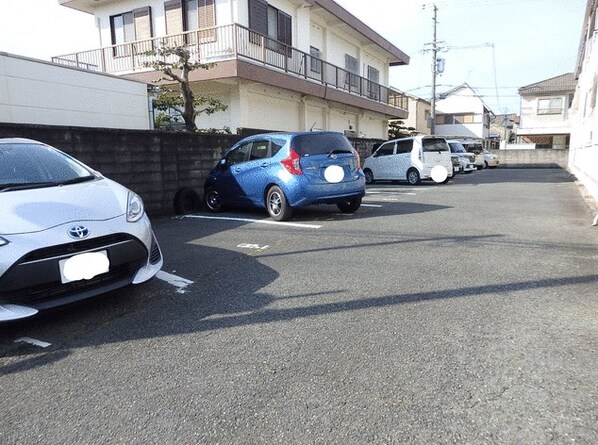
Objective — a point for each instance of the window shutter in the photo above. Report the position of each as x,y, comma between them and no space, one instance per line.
174,17
284,28
207,14
207,19
258,16
143,23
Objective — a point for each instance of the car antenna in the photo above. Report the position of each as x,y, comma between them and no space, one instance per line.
313,125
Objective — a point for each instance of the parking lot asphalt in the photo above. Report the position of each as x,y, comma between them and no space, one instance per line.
462,313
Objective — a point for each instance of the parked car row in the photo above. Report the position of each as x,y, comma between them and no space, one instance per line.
483,158
68,233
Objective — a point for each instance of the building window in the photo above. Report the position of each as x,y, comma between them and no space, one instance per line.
551,105
352,66
373,83
129,27
190,15
269,21
464,118
315,64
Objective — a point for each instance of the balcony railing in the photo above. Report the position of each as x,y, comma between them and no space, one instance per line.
231,42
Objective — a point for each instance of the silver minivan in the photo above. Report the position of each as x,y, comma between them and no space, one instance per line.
408,159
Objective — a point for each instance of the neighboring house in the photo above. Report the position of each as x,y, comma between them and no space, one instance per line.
583,151
38,92
280,65
503,127
545,112
419,114
461,113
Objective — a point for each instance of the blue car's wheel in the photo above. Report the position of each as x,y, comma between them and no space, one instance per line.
213,200
277,205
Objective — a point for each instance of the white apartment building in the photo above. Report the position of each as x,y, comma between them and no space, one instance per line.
583,150
280,64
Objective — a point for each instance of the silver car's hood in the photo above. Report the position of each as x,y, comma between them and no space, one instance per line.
35,210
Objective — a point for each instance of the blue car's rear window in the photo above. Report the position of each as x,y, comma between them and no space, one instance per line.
321,143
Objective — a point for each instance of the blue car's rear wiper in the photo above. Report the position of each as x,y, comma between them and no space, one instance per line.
338,150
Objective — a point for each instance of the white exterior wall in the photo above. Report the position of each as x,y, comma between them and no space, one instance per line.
268,107
261,106
583,150
462,101
38,92
533,123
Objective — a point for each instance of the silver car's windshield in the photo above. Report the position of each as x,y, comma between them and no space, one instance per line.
31,165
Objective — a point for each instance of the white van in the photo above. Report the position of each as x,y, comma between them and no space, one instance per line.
411,159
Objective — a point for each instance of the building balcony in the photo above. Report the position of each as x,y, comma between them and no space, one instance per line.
240,52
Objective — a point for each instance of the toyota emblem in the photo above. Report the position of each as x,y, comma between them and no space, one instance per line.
78,232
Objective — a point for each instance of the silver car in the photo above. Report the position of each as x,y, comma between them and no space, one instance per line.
66,232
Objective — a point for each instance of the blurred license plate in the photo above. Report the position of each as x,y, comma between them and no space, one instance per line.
84,266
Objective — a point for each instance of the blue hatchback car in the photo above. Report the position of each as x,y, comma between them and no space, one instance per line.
285,171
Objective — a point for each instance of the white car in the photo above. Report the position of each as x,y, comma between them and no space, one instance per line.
490,159
466,160
411,159
66,232
476,148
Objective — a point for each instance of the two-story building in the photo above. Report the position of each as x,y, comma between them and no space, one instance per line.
279,64
461,113
583,151
544,119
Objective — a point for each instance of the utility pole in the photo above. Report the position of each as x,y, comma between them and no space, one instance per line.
434,71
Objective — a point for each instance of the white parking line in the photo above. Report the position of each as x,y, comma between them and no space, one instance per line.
33,341
370,205
258,221
178,282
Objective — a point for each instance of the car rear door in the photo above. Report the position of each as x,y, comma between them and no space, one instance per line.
319,152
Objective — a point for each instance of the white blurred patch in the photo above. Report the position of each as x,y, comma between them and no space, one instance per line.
84,266
334,173
439,174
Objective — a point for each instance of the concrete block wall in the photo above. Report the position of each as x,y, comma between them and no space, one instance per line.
156,165
533,158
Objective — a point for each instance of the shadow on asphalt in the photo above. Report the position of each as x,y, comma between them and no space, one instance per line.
213,305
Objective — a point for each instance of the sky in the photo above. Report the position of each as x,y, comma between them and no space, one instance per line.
495,46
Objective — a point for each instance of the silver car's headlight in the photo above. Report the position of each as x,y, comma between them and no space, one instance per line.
3,242
134,207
